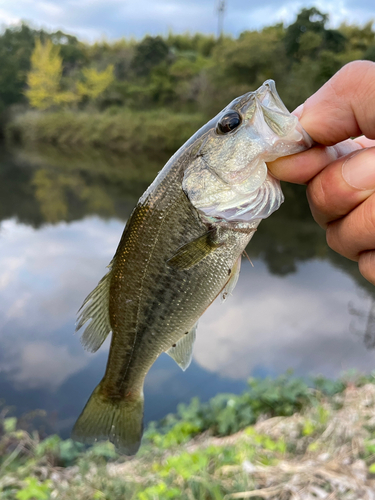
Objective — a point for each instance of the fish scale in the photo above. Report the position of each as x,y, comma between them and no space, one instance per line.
180,248
156,300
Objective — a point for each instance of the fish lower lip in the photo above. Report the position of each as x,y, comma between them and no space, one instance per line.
306,142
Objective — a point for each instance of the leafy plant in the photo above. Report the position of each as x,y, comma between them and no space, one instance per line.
34,490
161,490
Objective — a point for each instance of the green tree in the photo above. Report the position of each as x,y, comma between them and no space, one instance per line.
150,52
16,46
44,77
94,83
308,34
73,52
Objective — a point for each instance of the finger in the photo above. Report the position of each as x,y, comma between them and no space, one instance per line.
342,186
366,264
302,167
344,107
355,233
364,142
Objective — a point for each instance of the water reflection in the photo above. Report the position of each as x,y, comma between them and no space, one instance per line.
61,218
51,185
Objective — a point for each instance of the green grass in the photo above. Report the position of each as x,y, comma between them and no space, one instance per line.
312,438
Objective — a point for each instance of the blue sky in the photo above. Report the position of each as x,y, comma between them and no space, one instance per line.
112,19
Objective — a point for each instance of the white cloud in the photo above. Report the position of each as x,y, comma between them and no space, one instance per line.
94,19
8,18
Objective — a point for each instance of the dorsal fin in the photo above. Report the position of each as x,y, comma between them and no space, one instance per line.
96,308
182,352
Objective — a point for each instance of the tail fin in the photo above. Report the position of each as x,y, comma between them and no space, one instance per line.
121,422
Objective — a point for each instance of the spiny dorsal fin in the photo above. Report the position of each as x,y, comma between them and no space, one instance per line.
96,308
232,282
194,251
182,353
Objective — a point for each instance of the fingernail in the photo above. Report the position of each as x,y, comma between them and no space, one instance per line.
298,111
359,169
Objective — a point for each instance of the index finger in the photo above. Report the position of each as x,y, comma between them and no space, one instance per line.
302,167
344,107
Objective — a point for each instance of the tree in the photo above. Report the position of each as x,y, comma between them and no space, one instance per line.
308,34
95,82
16,46
45,76
150,52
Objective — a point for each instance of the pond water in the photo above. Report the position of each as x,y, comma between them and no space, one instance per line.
61,216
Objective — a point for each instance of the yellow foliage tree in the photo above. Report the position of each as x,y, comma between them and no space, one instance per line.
95,82
45,76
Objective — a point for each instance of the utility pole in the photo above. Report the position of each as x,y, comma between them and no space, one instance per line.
220,18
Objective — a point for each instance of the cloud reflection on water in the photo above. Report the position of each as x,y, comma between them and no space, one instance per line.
46,274
299,321
271,323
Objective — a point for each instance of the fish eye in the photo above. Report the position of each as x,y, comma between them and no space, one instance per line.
228,122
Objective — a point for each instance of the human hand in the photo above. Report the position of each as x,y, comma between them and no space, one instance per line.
340,172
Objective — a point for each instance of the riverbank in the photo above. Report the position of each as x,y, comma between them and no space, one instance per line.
116,129
325,450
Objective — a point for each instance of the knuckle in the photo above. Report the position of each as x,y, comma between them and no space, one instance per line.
337,239
360,75
354,233
366,266
332,238
318,196
367,219
354,71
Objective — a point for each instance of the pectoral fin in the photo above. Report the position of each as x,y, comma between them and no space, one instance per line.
235,273
194,251
182,352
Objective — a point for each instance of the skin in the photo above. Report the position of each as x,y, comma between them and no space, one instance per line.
343,205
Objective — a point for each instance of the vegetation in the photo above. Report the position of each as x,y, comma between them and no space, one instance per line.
116,129
284,439
73,84
280,439
44,77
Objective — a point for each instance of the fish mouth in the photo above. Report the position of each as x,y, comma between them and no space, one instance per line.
274,119
268,97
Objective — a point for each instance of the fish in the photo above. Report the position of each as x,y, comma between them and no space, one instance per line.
180,249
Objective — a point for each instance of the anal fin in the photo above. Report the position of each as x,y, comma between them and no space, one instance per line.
182,352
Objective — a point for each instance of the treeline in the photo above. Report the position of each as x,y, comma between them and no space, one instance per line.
184,73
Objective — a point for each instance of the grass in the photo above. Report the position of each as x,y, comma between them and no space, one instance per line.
116,129
325,450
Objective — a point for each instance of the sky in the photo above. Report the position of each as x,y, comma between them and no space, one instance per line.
112,19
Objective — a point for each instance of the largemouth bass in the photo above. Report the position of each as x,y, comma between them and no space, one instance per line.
180,249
